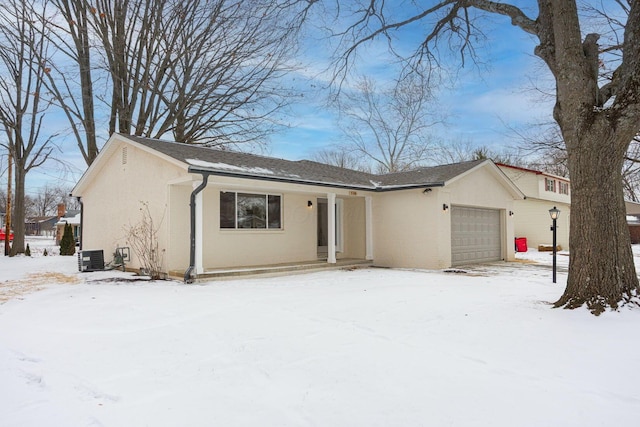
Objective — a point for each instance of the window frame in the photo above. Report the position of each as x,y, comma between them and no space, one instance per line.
549,182
267,220
563,187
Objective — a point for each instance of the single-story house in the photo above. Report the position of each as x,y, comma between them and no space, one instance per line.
531,218
40,225
219,209
73,218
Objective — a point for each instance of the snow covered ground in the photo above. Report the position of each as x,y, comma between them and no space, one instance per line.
369,347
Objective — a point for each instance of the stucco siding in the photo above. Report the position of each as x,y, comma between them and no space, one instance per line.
179,225
406,228
112,199
353,217
412,229
295,242
534,223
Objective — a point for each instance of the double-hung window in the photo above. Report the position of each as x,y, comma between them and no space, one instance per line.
248,210
550,184
564,187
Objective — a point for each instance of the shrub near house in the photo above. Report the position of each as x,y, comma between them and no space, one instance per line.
67,244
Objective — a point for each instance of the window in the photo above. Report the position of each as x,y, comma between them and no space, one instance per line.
563,187
246,210
550,184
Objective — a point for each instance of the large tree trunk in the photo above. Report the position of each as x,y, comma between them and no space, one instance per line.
601,270
19,212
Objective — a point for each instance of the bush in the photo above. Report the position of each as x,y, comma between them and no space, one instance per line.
143,238
68,243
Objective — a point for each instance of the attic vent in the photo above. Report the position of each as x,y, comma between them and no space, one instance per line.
124,155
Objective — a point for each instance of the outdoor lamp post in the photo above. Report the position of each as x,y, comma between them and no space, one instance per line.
554,213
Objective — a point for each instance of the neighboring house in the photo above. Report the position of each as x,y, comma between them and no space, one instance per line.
64,217
40,226
633,220
217,209
2,214
531,216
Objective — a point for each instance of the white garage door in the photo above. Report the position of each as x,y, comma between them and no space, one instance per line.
475,235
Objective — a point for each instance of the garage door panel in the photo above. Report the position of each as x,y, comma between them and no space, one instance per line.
475,235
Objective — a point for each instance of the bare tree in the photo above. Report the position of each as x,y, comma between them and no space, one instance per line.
388,127
22,101
598,114
464,150
203,71
45,201
339,155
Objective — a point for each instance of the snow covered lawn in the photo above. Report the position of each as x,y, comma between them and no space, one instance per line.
369,347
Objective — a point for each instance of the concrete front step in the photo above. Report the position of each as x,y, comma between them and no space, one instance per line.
275,269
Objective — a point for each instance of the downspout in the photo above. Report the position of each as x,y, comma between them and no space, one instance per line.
189,275
79,199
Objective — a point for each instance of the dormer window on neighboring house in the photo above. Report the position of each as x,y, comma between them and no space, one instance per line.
563,187
550,184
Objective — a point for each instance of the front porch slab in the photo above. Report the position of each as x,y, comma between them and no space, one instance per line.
275,269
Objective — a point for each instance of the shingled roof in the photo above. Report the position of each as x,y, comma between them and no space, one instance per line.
232,163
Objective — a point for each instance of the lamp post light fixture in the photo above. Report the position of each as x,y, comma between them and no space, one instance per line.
554,213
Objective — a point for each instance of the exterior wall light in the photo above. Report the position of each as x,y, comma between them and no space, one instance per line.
309,203
445,207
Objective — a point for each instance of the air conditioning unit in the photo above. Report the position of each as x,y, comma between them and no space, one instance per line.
91,260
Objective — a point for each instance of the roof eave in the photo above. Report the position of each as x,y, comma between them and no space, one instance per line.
289,180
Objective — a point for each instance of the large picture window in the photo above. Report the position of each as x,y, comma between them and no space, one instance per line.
247,210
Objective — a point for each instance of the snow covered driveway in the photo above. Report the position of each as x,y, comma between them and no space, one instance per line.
368,347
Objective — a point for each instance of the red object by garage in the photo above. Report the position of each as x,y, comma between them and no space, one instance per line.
521,244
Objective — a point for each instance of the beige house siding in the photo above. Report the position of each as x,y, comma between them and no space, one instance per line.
427,242
534,223
527,181
179,226
532,219
353,217
409,227
117,190
295,242
405,225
